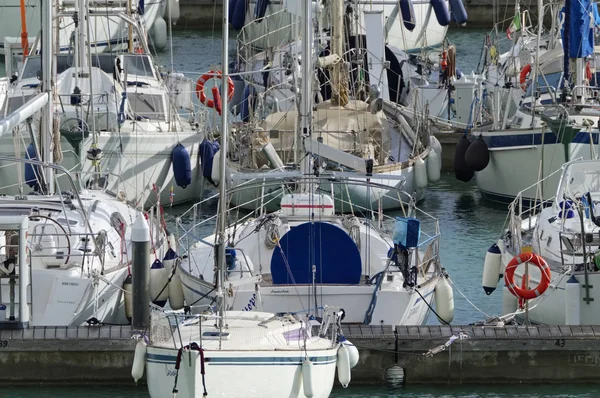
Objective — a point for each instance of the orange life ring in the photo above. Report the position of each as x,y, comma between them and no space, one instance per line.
200,88
588,71
520,292
523,76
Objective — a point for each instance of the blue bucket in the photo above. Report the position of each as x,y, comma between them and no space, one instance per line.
407,232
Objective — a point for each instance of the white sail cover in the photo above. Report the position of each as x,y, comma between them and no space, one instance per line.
351,128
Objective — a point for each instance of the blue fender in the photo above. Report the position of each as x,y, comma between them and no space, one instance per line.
458,11
239,15
182,166
408,14
260,9
441,12
248,103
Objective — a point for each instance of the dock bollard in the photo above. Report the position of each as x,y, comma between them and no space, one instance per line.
140,272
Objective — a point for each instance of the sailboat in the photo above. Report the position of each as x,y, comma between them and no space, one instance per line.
64,248
350,134
117,116
558,240
555,120
266,354
308,253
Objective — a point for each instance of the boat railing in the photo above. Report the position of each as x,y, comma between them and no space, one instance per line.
277,33
524,208
166,326
193,224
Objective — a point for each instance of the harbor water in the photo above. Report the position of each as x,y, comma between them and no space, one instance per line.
469,225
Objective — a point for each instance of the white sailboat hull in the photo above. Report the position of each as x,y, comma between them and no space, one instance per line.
515,168
272,374
394,305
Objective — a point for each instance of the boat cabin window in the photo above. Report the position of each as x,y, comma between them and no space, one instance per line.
138,64
554,84
33,64
147,105
106,62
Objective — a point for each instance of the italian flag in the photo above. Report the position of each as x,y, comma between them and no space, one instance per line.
514,26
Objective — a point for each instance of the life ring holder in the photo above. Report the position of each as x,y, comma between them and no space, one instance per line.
523,76
200,88
521,292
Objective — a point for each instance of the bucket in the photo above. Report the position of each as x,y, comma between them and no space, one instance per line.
2,313
407,232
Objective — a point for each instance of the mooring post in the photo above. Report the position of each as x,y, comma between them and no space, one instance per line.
140,272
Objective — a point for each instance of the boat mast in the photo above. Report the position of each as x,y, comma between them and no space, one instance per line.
46,130
339,90
306,88
220,248
534,72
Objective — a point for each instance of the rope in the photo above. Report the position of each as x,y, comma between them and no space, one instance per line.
373,303
272,224
352,224
432,310
469,301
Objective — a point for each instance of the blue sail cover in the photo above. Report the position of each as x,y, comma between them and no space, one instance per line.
580,42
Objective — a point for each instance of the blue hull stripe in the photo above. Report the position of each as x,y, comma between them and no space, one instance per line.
427,294
246,361
503,140
583,137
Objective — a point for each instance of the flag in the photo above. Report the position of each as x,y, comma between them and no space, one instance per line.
514,26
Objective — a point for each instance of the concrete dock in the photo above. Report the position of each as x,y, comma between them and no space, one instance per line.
207,13
487,354
67,354
509,354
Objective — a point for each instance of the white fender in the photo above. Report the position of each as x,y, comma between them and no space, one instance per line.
420,173
176,299
435,144
343,366
159,277
216,167
128,297
573,301
139,360
433,166
173,9
492,267
444,300
172,242
352,351
307,378
509,302
159,33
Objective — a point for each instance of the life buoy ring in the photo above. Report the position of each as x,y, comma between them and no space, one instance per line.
588,71
200,88
521,292
523,76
